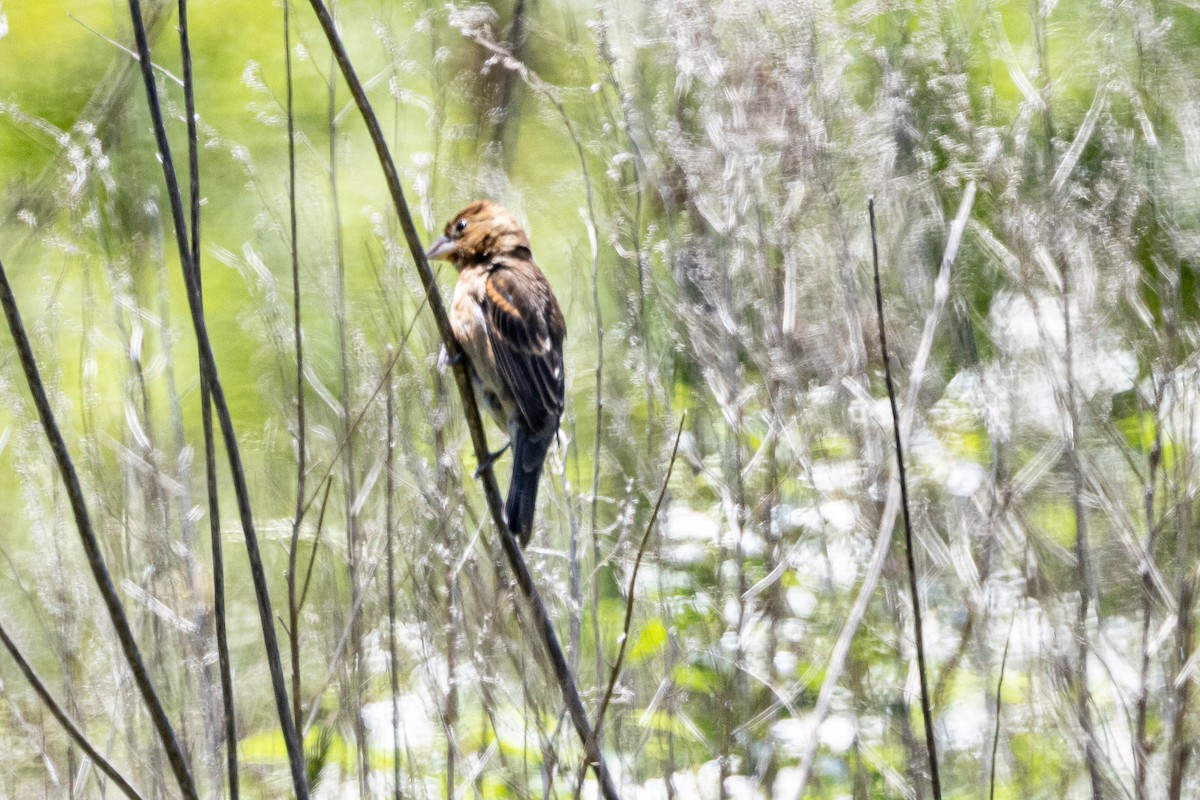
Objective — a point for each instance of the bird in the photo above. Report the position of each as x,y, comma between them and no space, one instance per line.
510,328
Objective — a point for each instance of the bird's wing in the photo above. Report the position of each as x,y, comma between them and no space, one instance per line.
526,330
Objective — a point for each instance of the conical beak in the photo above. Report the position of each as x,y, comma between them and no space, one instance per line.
442,249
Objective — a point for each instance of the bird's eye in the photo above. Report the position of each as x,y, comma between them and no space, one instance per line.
461,225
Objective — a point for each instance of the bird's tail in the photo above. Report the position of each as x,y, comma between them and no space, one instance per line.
529,455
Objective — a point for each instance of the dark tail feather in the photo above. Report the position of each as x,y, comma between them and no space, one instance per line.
528,456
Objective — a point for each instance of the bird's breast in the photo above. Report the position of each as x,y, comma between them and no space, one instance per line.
470,329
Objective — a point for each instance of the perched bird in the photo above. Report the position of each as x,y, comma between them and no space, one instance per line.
508,323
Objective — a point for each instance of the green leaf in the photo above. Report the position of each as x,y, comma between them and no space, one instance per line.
651,640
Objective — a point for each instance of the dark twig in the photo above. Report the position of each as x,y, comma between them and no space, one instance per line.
616,669
312,556
208,370
891,508
210,458
512,550
629,598
999,705
918,633
91,544
75,732
193,138
218,574
301,455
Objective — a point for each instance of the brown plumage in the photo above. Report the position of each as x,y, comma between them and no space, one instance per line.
508,323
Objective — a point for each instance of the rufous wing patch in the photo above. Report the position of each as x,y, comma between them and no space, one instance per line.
501,302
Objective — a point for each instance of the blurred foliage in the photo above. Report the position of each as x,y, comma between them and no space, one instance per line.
694,177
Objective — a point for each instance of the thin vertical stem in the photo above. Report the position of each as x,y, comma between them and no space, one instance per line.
210,465
298,341
225,664
1181,743
353,546
630,595
918,632
209,373
511,62
999,706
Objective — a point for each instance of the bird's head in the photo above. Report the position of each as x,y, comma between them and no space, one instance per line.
479,233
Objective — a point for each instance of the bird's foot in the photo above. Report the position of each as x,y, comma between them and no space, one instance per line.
487,463
445,360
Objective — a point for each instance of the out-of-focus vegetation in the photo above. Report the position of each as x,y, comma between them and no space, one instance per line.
694,177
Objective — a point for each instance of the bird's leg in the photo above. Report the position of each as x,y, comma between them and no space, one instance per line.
490,460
